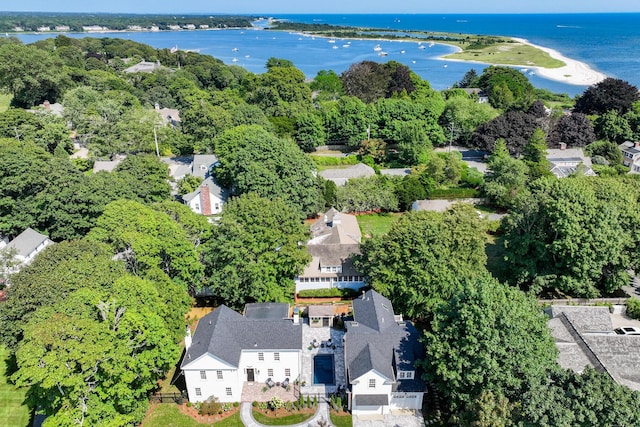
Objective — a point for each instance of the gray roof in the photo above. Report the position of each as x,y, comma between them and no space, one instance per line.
371,399
178,166
144,67
377,340
266,310
224,333
213,187
342,175
27,242
107,166
202,164
395,171
584,337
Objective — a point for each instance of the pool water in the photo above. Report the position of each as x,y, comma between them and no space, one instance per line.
323,369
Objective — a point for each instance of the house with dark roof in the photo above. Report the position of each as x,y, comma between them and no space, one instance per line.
381,350
25,247
631,155
585,336
229,350
335,239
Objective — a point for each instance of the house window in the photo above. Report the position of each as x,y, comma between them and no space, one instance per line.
198,207
228,391
219,374
276,357
287,372
401,374
198,392
261,357
372,383
270,372
203,375
409,375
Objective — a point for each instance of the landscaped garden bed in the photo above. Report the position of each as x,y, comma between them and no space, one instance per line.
280,413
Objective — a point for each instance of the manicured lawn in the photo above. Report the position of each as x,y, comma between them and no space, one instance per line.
281,421
5,100
12,411
510,54
341,420
376,224
168,415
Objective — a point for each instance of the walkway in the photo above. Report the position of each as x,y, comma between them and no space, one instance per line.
322,413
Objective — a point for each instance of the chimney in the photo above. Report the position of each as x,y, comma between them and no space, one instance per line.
563,146
296,316
47,105
187,339
157,106
205,198
636,144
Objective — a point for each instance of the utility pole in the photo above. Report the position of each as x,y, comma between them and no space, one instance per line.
155,137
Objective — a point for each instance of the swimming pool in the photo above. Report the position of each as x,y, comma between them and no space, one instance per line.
323,369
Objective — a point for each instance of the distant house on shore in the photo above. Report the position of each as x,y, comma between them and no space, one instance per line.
145,67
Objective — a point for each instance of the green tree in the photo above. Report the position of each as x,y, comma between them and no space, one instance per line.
608,95
507,178
31,75
535,155
309,132
488,337
68,265
574,236
146,177
147,239
366,194
425,258
507,88
467,114
612,126
254,160
92,358
327,85
256,251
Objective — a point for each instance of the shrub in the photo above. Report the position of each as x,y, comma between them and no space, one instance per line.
453,193
210,406
334,161
276,403
189,404
308,403
633,308
328,293
315,401
254,404
300,402
236,404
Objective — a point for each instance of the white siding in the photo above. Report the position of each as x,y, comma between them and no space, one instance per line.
328,283
406,400
361,386
212,386
289,359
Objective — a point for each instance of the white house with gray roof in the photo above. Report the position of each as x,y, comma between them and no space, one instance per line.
26,246
229,349
380,351
335,239
631,155
207,199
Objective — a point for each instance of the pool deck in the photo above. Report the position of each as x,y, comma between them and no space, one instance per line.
308,352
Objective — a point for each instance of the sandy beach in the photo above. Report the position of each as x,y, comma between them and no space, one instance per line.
575,72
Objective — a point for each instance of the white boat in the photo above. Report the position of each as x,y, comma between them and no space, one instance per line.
421,47
234,60
332,41
235,49
335,47
431,44
346,45
531,73
382,54
402,51
413,62
247,56
445,65
377,48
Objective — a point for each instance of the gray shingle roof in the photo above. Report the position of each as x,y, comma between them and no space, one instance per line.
27,242
224,333
267,310
584,337
202,164
341,176
213,187
376,340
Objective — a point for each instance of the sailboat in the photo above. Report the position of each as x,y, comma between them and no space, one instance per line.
377,48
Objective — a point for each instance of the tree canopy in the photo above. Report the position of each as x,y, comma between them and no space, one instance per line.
610,94
256,250
425,258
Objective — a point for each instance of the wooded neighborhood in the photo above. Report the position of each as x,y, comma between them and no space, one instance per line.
130,199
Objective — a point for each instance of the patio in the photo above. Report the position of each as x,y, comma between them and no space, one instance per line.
319,336
253,392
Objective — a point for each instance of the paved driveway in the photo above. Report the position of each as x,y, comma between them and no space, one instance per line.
389,421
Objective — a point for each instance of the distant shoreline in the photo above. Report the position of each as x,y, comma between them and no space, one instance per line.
574,72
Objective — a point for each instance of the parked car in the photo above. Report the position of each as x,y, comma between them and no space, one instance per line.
627,330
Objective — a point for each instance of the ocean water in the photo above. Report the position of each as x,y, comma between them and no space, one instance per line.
609,43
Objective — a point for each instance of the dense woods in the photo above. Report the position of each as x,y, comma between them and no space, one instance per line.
130,257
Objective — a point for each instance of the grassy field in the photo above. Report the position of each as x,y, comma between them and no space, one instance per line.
168,415
5,100
281,421
509,54
341,420
376,224
12,411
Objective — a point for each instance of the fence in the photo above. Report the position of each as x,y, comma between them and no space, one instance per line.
167,398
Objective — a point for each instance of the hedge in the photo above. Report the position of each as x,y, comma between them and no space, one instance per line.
633,308
454,193
328,293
